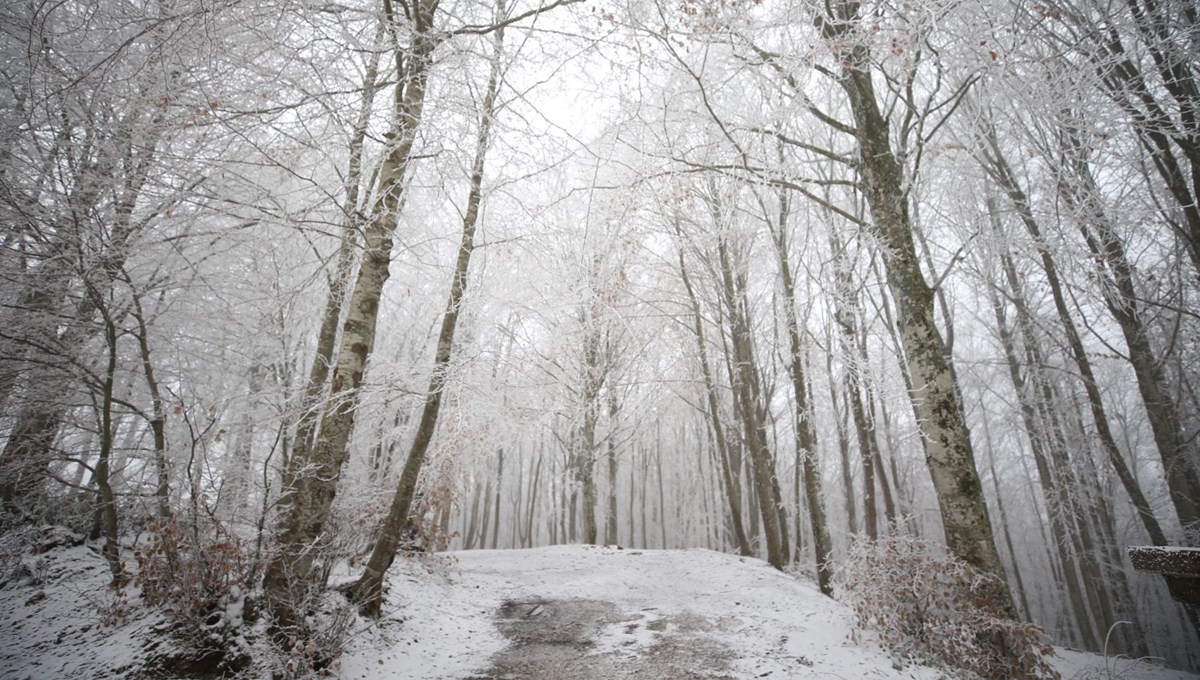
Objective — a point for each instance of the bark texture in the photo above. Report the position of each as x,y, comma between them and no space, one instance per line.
968,530
307,500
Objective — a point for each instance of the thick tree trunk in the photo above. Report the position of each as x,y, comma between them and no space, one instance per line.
968,531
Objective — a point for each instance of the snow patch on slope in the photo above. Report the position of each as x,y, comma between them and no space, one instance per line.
52,625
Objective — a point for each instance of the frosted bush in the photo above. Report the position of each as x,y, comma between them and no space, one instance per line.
939,610
199,575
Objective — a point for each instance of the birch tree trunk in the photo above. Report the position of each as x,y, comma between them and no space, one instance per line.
339,282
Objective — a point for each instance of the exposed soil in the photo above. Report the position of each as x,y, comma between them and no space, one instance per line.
580,639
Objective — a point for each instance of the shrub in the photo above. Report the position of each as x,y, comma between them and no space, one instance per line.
202,579
940,611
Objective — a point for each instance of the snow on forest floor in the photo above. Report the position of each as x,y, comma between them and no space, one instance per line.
51,623
613,613
557,613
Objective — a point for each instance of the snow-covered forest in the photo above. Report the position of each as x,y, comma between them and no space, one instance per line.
297,288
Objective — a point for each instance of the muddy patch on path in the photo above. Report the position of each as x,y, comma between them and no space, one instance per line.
581,639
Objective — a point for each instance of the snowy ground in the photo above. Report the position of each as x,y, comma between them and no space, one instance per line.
57,618
559,613
651,614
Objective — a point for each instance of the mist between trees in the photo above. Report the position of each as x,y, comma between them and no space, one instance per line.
340,280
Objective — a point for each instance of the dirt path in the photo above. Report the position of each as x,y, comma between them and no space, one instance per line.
576,639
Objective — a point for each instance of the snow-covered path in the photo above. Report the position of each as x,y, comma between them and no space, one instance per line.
557,613
591,612
579,612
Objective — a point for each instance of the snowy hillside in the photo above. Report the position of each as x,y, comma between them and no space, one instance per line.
561,613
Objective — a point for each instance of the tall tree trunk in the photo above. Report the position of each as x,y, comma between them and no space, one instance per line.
1054,496
731,483
313,482
496,509
339,282
662,495
1004,528
106,499
751,410
998,167
471,517
839,417
850,375
485,522
368,590
610,517
583,446
1179,456
968,531
158,414
881,473
529,539
806,441
106,170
